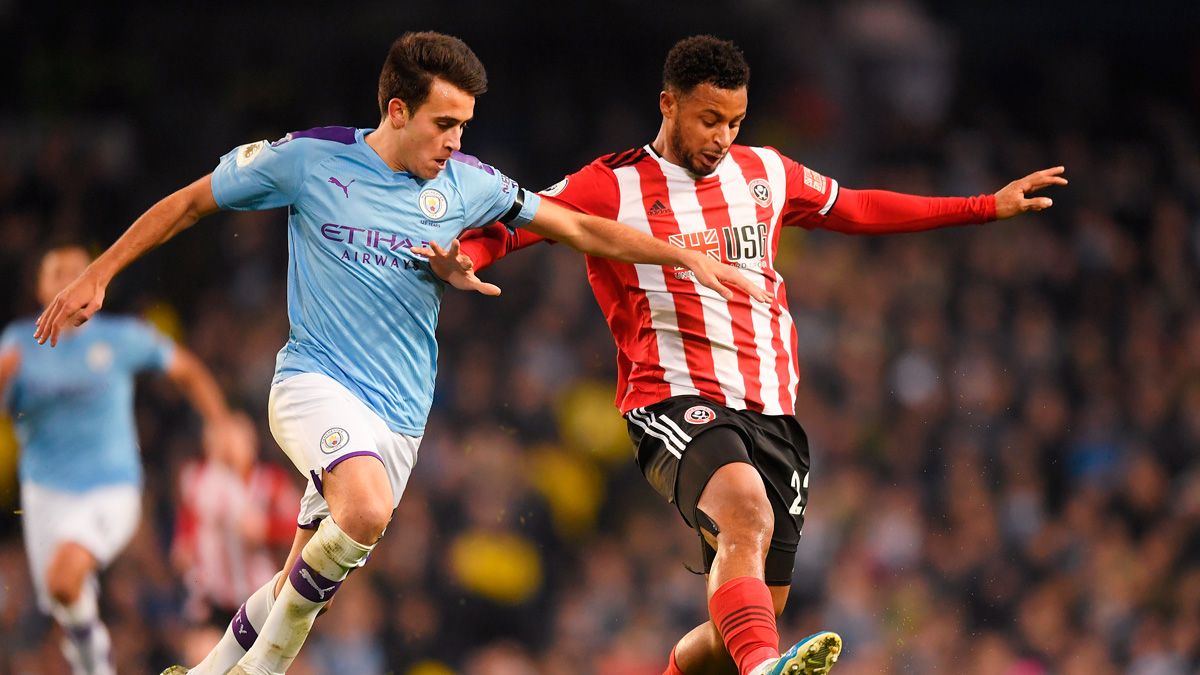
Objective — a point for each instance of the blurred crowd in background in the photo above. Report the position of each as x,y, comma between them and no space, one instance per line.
1005,419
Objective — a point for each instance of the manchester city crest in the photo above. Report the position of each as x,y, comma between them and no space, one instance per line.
432,203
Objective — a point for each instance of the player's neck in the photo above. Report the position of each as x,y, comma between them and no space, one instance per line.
387,146
662,148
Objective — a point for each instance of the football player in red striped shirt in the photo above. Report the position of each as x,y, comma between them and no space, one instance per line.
708,385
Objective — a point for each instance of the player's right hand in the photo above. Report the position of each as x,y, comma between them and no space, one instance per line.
719,277
455,268
73,305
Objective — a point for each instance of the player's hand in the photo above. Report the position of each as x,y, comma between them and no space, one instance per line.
1011,199
73,305
455,267
719,277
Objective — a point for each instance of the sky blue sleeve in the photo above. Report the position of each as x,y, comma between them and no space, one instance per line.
492,196
260,175
145,348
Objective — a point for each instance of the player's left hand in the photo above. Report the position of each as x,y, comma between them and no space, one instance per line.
455,267
73,305
720,277
1011,199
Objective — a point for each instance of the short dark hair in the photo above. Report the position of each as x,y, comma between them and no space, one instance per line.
416,58
704,58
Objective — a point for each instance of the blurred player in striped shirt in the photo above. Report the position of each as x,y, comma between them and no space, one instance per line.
236,518
708,385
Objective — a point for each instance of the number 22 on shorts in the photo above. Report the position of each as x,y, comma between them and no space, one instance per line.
800,503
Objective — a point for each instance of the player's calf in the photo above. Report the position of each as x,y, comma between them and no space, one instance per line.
314,578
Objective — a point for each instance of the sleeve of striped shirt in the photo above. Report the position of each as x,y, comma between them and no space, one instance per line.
816,201
591,190
486,245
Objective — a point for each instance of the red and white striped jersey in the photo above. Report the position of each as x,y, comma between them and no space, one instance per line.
227,527
675,336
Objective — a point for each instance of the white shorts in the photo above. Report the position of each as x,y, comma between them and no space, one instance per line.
102,520
319,423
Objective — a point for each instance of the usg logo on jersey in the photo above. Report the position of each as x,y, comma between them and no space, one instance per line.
247,153
760,190
556,189
699,414
335,439
433,203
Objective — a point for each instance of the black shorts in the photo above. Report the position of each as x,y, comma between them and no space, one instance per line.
678,454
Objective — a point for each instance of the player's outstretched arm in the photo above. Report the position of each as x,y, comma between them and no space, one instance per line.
1011,200
200,388
77,302
883,212
610,239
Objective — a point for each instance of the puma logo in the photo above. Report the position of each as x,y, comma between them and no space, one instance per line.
312,582
345,188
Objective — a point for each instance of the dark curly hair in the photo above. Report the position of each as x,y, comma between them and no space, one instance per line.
704,58
416,58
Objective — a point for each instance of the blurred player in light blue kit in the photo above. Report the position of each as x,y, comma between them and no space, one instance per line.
354,383
80,472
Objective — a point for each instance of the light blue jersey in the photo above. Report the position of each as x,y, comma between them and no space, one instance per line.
72,405
363,308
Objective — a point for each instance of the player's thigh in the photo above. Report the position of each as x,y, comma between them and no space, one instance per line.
359,489
734,496
322,426
681,443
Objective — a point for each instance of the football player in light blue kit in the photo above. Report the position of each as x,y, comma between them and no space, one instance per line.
354,382
80,472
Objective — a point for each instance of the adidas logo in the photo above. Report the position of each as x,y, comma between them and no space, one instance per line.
658,209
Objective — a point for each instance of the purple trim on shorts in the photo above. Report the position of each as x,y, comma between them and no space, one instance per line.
471,160
317,483
309,583
310,526
343,135
243,630
348,455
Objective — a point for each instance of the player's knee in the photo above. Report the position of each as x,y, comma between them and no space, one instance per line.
365,520
746,521
64,589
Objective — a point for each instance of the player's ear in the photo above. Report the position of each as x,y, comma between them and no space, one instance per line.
666,103
397,113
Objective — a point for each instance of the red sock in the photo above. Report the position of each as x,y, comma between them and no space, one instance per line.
672,667
745,616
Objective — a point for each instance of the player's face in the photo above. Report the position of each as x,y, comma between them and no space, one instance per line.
59,268
702,124
435,129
